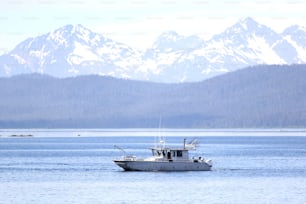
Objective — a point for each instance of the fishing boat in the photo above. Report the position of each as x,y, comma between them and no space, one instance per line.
165,159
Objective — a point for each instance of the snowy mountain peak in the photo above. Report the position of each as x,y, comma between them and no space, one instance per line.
166,41
78,28
244,30
171,41
72,29
66,34
296,34
71,50
295,29
170,35
247,26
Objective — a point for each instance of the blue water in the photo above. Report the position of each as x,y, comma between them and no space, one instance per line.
80,170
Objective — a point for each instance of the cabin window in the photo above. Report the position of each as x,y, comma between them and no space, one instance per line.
168,155
173,153
179,153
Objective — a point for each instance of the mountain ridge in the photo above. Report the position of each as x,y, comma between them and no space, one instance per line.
256,97
74,50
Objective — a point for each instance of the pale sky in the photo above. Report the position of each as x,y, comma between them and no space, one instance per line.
137,23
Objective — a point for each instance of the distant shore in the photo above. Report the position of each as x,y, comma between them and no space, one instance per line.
28,133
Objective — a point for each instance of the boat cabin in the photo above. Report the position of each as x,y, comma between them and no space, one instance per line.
171,154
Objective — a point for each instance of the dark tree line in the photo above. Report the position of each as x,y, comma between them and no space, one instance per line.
255,97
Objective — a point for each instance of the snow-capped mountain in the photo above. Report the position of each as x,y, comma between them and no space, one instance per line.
171,41
69,51
296,37
246,43
75,50
166,56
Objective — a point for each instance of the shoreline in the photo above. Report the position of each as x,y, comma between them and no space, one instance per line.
151,132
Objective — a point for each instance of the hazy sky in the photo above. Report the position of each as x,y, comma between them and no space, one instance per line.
138,22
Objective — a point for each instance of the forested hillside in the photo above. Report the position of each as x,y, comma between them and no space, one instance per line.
255,97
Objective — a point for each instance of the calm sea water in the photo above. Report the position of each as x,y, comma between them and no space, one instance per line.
62,168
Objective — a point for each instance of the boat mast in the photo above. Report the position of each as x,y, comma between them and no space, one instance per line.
161,139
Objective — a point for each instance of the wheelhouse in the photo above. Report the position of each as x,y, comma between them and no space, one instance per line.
171,154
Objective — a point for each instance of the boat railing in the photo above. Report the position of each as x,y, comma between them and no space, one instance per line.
125,157
129,158
198,159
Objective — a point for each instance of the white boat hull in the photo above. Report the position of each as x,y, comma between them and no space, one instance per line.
163,165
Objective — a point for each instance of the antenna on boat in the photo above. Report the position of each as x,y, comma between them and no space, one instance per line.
159,139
